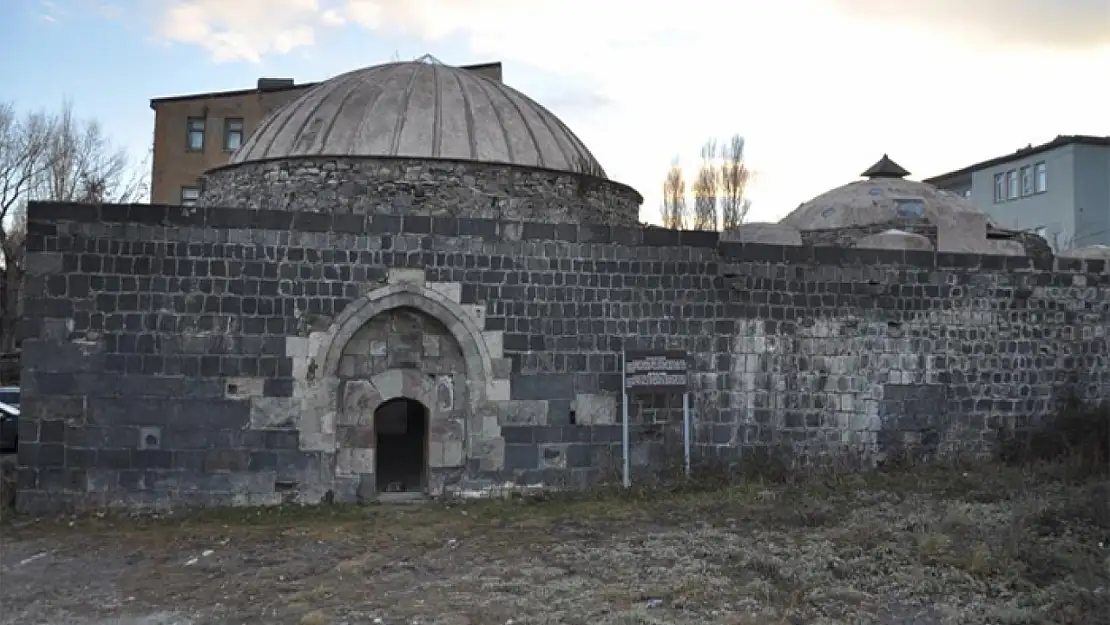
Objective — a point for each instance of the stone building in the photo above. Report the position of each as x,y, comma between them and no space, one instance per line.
198,131
415,280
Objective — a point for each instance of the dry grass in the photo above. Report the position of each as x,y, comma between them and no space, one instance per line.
924,543
1021,541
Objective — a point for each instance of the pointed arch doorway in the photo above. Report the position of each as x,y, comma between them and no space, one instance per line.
401,446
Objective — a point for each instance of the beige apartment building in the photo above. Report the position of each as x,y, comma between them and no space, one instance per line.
194,133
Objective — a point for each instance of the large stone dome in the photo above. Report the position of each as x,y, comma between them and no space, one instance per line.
419,110
420,138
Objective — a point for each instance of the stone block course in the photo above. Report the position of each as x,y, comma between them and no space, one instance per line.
413,190
142,317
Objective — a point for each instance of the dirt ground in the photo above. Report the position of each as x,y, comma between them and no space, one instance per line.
936,546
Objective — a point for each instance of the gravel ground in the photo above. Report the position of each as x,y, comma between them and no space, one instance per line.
937,546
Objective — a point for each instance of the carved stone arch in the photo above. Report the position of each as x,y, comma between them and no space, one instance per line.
363,398
333,403
394,384
479,364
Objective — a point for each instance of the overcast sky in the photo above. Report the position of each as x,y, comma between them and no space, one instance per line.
819,88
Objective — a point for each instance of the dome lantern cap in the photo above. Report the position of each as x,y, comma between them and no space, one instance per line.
885,168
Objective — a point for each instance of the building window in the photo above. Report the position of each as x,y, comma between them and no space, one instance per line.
195,141
999,187
233,134
189,196
1012,183
1041,174
1027,180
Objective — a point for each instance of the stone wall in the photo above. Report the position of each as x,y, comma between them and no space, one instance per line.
850,235
441,188
204,356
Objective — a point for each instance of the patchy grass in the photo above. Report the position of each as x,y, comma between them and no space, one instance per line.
1026,545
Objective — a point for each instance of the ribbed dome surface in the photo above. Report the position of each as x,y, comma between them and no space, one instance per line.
421,110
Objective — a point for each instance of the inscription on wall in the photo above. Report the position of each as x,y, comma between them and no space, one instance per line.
655,371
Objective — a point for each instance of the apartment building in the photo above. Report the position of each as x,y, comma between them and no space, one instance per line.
194,133
1059,189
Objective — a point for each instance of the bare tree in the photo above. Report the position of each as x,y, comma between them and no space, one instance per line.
705,188
23,146
735,176
674,197
52,157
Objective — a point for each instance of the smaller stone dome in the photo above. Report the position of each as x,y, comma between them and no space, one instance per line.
895,240
885,196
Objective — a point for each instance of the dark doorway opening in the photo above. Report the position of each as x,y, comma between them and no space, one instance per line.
400,427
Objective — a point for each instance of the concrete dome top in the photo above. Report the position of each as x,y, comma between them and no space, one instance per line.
421,110
1090,251
895,240
885,196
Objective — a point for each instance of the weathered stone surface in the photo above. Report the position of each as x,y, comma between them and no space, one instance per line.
827,349
273,412
521,412
760,232
354,461
402,339
591,409
445,454
386,186
359,400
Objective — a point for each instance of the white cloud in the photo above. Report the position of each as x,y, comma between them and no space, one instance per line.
332,17
673,74
51,12
1073,24
242,29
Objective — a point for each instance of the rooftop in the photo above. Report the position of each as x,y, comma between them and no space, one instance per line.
269,85
1059,142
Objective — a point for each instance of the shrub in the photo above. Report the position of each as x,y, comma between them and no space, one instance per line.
1078,436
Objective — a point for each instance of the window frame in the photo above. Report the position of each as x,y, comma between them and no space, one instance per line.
1027,180
1013,185
1000,187
1040,177
189,201
228,131
189,130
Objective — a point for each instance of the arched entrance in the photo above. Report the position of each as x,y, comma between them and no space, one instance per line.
404,341
401,446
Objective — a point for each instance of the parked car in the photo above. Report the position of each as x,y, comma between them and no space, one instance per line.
9,419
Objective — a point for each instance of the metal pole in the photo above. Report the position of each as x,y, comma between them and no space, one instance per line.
625,455
686,430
